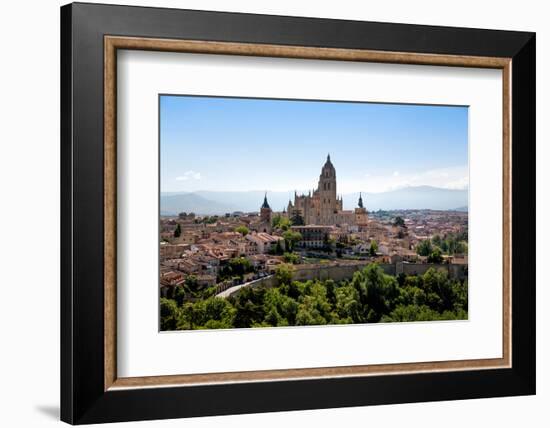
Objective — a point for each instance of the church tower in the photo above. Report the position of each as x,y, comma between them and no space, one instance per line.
361,214
327,192
265,216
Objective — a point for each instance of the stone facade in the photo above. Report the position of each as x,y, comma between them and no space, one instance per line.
323,206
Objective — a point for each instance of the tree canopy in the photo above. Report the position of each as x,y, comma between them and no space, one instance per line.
280,222
449,244
370,296
243,230
399,221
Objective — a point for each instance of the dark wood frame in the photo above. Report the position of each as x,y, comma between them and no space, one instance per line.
90,35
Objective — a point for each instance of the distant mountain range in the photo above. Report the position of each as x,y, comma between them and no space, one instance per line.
211,202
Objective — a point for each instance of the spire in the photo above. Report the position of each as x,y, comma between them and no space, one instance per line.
328,166
360,203
265,204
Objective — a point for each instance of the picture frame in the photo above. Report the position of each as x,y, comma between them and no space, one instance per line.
91,35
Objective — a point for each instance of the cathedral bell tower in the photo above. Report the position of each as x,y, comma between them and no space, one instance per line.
327,191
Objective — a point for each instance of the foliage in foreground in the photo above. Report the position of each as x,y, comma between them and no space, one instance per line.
370,296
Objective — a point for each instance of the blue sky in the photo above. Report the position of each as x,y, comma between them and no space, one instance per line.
224,144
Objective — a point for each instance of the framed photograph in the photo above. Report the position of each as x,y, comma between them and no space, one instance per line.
266,213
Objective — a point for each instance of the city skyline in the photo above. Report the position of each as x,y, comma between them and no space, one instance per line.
277,145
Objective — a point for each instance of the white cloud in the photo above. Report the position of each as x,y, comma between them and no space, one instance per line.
189,175
396,173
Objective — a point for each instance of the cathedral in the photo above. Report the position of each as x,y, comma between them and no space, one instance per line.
323,206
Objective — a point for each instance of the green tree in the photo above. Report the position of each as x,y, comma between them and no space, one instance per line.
370,296
278,249
424,248
243,230
461,247
280,222
373,248
212,313
209,220
191,284
283,273
291,239
279,309
398,221
297,220
291,258
169,314
347,306
236,267
439,290
411,295
328,242
314,307
177,232
411,313
377,291
240,266
435,256
249,306
180,294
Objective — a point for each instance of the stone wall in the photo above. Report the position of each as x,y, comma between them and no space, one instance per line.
320,271
454,271
345,270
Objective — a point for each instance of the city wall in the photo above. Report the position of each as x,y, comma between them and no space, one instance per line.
346,270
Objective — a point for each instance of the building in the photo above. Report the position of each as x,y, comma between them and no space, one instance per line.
361,215
264,223
323,206
265,216
264,241
313,236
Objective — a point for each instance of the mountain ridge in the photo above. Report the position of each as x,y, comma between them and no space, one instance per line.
207,202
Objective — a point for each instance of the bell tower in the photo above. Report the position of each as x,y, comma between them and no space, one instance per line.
327,192
361,214
265,211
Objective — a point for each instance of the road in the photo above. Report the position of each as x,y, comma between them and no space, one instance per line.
226,293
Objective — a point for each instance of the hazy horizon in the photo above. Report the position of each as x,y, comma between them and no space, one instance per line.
301,191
